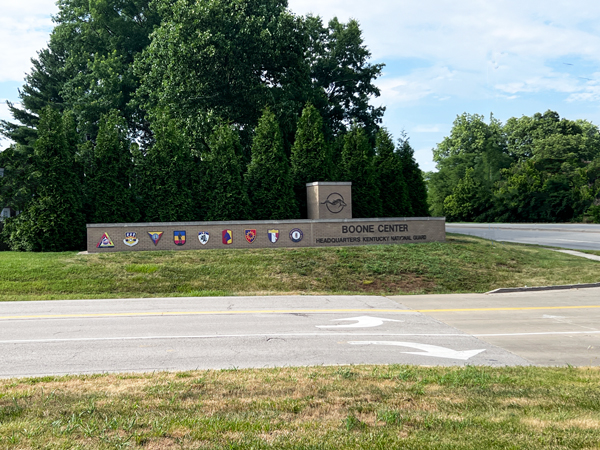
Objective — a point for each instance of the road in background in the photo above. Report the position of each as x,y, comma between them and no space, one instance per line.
573,236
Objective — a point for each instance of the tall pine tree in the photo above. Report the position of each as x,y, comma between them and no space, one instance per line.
311,155
357,167
417,190
109,184
167,178
53,220
393,191
268,180
225,195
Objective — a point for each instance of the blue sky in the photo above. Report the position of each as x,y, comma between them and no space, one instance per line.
442,57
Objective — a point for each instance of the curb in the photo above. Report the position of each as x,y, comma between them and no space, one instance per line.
544,288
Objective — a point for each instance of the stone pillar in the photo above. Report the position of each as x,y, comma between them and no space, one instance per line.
329,200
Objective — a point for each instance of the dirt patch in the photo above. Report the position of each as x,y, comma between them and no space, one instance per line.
160,444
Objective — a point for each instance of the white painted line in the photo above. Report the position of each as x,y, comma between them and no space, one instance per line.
231,336
223,336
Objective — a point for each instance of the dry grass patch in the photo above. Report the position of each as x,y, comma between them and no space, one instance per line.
315,407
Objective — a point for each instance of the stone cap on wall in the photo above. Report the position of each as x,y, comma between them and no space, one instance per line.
260,222
329,183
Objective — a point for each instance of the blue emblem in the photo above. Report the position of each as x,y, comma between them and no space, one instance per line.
296,235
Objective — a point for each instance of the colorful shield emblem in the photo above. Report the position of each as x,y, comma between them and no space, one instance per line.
105,242
155,236
179,237
296,235
250,235
203,237
227,237
273,236
130,239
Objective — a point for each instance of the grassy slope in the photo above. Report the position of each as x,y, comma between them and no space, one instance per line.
374,407
463,264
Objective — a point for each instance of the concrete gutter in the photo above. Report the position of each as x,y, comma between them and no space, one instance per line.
580,254
544,288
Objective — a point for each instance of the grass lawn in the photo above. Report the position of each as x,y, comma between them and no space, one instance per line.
346,407
462,264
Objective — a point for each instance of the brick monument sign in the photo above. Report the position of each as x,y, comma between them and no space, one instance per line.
329,224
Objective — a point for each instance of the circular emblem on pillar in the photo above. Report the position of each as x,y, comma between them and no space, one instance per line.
335,203
296,235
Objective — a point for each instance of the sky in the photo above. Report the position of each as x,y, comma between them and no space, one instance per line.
443,58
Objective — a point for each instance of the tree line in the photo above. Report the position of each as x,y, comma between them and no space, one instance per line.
530,169
214,110
116,181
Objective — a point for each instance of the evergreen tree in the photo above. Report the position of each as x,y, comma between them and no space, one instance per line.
53,219
311,156
167,177
388,166
268,180
417,190
109,183
357,167
225,196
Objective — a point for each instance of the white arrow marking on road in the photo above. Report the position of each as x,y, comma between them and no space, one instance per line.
362,322
428,350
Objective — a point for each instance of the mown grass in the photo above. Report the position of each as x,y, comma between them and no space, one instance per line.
462,264
347,407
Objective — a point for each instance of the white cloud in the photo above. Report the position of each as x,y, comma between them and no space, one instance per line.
24,30
476,49
466,30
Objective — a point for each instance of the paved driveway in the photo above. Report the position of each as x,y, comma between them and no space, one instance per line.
573,236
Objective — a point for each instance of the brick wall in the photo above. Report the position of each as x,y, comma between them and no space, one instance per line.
315,233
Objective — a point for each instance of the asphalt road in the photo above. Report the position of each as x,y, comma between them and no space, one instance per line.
547,328
91,336
572,236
